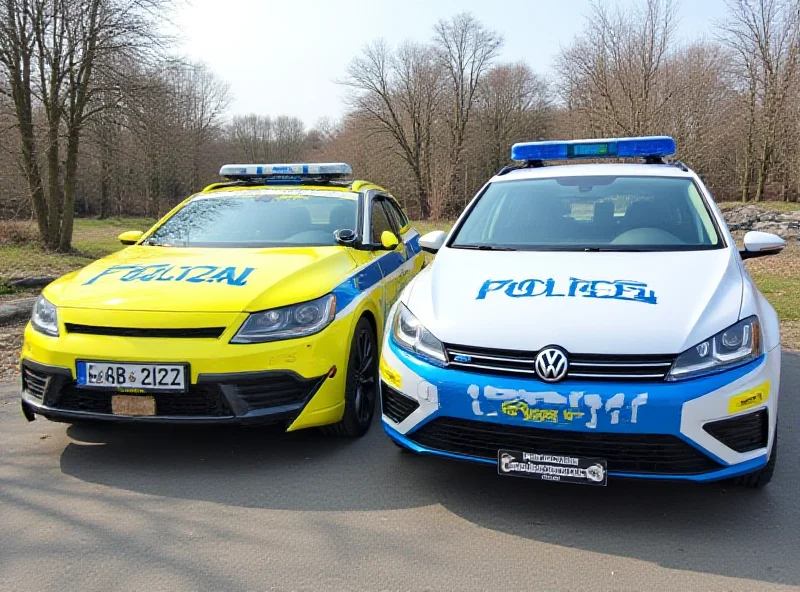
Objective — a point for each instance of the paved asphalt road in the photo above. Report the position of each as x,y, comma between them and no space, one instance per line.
208,509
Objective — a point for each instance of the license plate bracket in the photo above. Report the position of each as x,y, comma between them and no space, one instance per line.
133,405
553,467
135,377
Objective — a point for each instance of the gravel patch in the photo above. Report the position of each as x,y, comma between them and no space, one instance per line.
10,346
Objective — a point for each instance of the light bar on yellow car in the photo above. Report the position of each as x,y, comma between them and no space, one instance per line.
321,169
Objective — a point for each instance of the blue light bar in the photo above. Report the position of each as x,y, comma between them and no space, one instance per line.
249,171
654,146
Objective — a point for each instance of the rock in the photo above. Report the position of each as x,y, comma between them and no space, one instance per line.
15,310
32,282
744,218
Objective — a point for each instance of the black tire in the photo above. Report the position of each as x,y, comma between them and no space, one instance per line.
758,479
361,385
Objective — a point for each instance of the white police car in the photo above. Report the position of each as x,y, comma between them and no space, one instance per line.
588,321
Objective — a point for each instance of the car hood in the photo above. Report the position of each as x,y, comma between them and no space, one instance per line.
145,278
585,302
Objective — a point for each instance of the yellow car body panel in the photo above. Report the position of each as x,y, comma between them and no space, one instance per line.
158,288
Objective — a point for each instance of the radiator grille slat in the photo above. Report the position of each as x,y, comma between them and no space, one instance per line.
625,453
396,406
581,366
199,401
742,433
187,333
34,383
274,391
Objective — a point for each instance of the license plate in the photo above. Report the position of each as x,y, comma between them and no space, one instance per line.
143,377
552,467
133,405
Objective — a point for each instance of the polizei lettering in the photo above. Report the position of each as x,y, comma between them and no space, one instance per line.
164,272
628,290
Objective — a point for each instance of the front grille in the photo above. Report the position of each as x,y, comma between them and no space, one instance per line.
625,453
34,383
192,333
274,390
396,406
743,433
581,366
200,401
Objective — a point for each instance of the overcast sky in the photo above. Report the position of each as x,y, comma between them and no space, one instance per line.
283,57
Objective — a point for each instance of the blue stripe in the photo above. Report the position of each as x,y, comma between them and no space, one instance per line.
367,278
412,246
391,262
349,290
259,170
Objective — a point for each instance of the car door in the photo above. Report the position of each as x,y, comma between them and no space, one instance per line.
391,262
409,236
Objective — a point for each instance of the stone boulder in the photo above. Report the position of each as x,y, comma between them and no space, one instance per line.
744,218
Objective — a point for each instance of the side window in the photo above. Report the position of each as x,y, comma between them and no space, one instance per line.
380,221
396,213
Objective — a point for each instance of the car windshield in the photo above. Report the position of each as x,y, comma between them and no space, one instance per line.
614,213
259,219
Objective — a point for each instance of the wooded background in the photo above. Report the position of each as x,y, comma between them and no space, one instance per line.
99,118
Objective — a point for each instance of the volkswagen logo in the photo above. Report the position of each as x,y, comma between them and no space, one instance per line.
551,364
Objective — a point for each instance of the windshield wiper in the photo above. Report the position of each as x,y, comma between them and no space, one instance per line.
484,248
613,250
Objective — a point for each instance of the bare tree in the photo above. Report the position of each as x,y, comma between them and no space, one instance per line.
513,104
400,93
251,136
466,50
765,37
50,55
612,72
261,138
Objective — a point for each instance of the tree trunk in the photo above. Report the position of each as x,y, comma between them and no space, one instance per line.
51,239
745,182
104,180
70,183
763,170
33,173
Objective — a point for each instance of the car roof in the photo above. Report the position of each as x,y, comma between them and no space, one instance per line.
579,170
358,186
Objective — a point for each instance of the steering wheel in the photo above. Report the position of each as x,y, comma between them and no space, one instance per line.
647,236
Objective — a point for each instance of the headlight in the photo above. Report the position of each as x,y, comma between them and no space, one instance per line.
44,317
734,346
410,335
289,322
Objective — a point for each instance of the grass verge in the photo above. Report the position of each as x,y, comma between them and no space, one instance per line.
91,240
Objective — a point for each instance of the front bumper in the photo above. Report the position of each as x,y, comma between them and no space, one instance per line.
298,383
700,430
244,398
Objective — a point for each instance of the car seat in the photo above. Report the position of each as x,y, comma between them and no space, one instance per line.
294,220
341,217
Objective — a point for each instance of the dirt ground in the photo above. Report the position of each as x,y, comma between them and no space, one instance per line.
10,345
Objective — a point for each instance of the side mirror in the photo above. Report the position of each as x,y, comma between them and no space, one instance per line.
760,244
388,240
131,237
433,241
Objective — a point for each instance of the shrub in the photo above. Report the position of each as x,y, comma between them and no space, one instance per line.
14,233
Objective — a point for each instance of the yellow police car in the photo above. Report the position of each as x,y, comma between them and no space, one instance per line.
261,299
